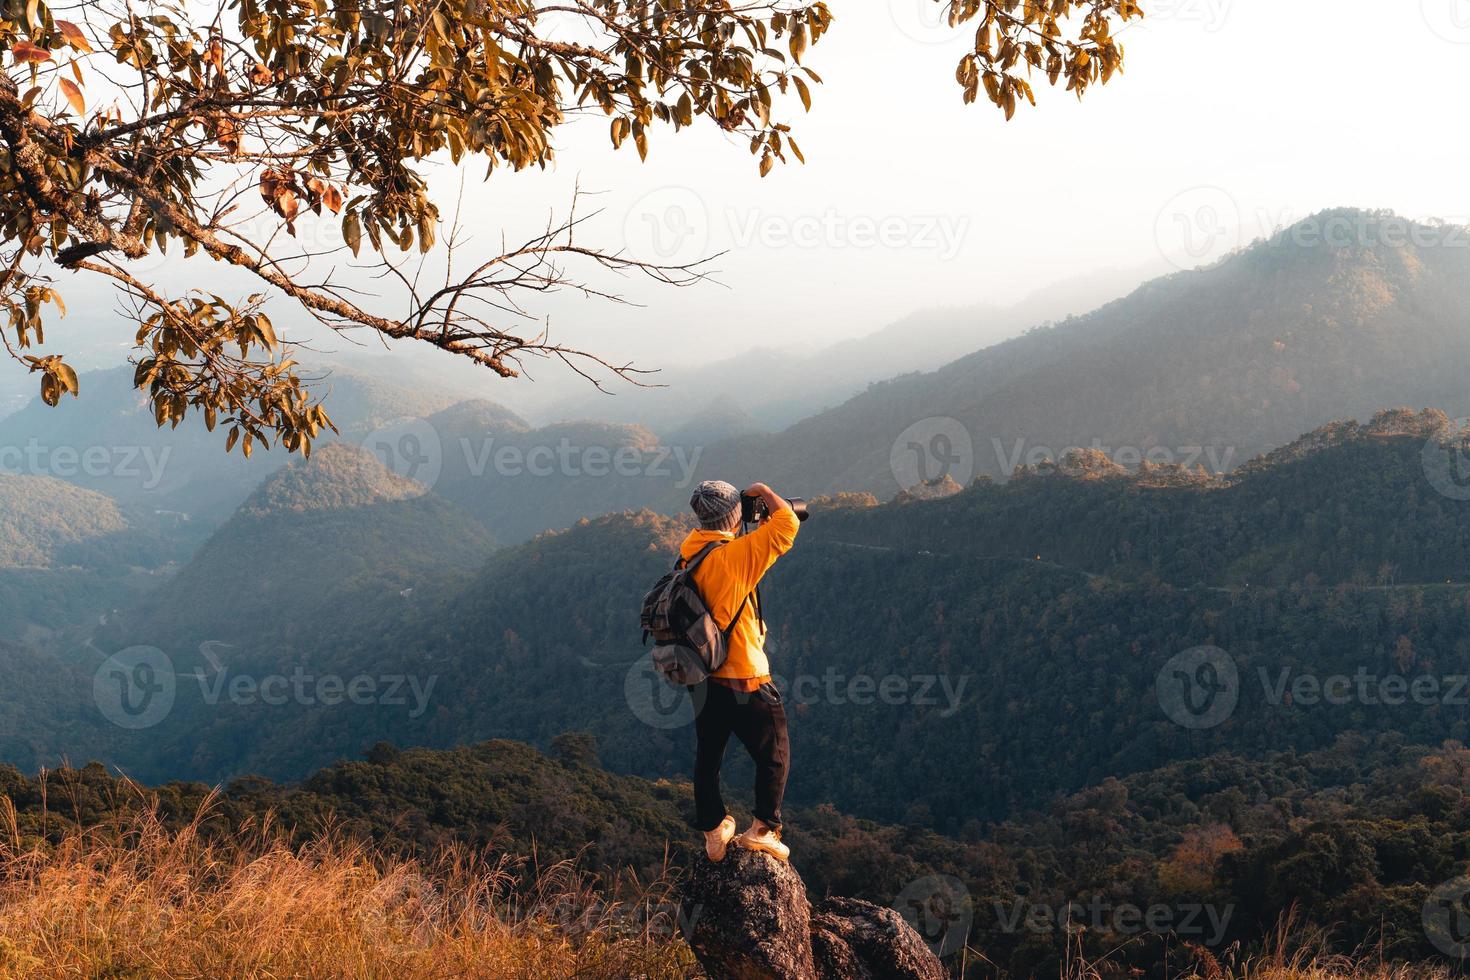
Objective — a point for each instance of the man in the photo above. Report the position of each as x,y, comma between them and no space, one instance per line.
739,698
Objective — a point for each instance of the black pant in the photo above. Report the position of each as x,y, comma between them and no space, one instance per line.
758,719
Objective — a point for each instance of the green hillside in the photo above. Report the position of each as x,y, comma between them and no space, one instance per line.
310,548
68,556
40,518
932,662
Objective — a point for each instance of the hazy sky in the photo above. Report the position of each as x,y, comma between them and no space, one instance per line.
1233,116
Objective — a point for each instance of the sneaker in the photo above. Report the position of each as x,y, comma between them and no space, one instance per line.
716,840
762,838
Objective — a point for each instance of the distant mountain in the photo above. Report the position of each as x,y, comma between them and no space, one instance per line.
769,375
1337,316
107,441
40,517
313,545
722,418
69,555
520,481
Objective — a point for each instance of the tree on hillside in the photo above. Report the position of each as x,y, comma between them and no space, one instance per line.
132,130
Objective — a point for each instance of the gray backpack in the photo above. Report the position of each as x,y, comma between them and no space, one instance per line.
688,645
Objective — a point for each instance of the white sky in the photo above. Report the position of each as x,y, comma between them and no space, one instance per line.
1233,116
1258,111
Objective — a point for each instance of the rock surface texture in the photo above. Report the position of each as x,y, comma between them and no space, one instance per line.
747,918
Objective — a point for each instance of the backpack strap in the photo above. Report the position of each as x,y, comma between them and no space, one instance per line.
736,618
693,563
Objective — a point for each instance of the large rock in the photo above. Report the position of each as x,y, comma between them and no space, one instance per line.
862,941
748,918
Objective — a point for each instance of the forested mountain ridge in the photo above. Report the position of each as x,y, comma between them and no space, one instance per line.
40,517
1336,316
69,555
313,544
1372,504
520,481
942,606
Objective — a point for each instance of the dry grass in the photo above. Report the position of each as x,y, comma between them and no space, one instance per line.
137,900
1295,951
134,900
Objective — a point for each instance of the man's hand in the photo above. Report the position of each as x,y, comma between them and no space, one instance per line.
769,497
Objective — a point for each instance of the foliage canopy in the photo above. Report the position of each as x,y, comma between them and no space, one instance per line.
214,129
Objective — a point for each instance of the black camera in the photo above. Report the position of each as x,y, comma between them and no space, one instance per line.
753,509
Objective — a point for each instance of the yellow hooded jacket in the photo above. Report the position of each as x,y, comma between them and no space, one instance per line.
729,574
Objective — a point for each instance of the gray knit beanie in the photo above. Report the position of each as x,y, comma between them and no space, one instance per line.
716,504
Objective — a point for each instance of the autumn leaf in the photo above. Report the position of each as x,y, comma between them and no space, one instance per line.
352,231
227,133
25,52
72,35
74,96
